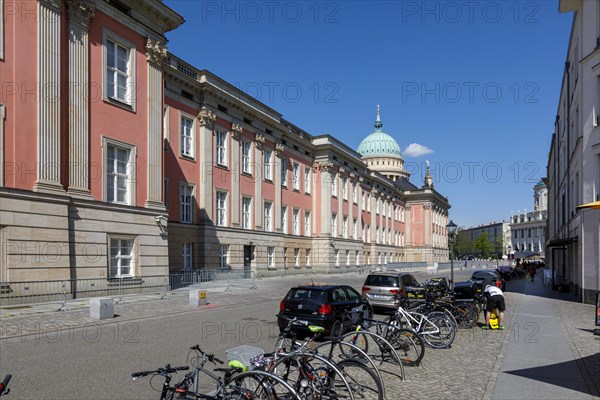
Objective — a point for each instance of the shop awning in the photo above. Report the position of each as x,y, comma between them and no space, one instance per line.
561,242
593,204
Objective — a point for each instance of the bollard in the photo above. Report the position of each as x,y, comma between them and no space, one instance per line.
102,308
198,297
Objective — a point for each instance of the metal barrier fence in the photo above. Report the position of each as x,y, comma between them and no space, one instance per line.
61,291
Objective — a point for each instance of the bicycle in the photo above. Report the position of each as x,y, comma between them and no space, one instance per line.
360,371
236,383
168,391
436,329
406,342
310,374
4,389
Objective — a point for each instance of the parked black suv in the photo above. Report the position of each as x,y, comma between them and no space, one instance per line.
327,306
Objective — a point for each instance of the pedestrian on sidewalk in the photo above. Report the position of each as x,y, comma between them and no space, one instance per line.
495,300
531,271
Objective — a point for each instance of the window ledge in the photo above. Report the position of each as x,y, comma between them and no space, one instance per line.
120,104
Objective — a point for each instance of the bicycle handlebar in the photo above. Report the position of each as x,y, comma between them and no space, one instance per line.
4,383
161,371
211,357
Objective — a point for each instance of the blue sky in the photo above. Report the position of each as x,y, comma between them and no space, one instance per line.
476,83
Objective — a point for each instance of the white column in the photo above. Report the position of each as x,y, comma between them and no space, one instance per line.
325,171
48,98
80,14
156,53
235,170
206,119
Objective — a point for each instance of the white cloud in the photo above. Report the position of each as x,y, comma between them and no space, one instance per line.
417,150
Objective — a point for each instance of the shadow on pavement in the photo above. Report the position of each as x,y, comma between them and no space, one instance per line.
558,374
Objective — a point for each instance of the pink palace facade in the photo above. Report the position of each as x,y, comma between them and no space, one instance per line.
119,159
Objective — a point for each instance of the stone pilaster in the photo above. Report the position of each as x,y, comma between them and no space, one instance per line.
258,179
325,175
278,156
48,98
80,13
2,116
206,120
156,53
236,134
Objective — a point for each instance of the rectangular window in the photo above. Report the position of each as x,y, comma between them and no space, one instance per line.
296,176
121,258
187,137
296,221
347,258
296,258
268,209
221,147
334,225
186,203
307,180
307,256
354,193
345,188
267,164
1,30
284,172
221,208
334,184
246,157
246,212
120,173
337,257
187,256
270,256
119,69
284,223
224,256
345,227
307,231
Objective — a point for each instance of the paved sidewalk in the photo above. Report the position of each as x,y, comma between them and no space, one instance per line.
549,351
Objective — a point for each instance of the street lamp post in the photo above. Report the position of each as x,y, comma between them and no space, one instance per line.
451,230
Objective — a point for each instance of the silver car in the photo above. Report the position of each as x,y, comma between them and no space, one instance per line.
380,288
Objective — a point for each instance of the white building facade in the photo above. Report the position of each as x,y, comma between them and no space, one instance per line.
528,228
573,245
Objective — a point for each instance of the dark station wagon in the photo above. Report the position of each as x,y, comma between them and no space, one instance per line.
328,306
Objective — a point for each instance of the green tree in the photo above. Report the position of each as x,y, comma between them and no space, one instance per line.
483,246
462,244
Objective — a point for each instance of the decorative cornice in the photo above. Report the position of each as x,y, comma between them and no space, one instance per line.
81,11
207,118
56,4
279,148
156,51
352,175
260,140
236,130
326,166
428,206
342,170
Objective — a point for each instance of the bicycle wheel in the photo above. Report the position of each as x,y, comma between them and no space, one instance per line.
364,382
408,344
259,385
313,376
466,315
438,331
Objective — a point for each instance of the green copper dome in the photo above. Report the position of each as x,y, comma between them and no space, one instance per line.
379,143
540,184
